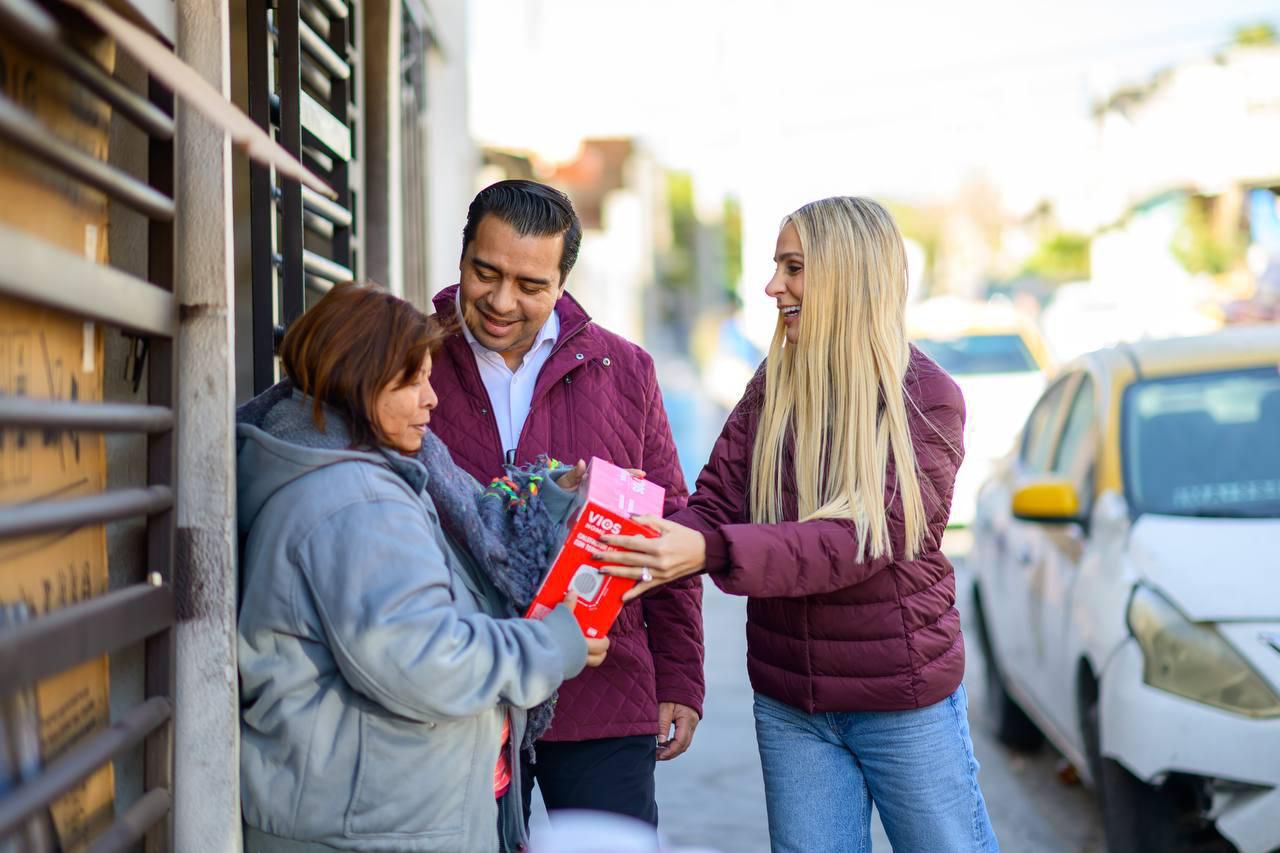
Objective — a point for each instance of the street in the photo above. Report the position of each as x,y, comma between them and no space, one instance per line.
712,796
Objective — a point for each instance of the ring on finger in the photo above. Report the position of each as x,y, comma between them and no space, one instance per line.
645,576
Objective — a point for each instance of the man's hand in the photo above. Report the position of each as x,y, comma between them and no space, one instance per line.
571,479
685,720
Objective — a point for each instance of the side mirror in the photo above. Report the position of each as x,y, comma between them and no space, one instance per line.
1047,502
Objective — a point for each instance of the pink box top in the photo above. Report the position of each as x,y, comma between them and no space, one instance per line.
612,488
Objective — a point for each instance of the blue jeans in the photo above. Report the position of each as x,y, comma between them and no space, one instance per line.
822,772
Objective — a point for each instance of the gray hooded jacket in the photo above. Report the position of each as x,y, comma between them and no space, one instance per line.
376,663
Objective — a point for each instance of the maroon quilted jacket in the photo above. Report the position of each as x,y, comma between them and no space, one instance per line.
825,631
597,395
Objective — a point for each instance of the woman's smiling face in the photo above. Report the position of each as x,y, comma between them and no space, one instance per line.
787,285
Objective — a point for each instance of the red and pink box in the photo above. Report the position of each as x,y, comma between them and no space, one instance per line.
608,499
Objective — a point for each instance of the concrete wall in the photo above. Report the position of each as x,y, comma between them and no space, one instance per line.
452,157
206,747
383,229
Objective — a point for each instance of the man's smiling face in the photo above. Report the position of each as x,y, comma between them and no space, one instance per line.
509,286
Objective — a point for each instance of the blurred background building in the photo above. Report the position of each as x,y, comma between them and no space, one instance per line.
1084,167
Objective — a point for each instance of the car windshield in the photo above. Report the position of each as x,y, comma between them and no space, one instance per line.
1206,445
973,354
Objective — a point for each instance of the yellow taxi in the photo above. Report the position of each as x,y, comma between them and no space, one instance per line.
1126,566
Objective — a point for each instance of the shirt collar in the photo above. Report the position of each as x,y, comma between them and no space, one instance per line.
547,335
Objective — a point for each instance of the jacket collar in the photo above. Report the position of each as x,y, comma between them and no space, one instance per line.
578,344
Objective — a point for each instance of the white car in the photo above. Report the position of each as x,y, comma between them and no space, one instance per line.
1126,565
998,360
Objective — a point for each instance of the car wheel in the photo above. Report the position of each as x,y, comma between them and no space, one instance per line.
1009,723
1087,702
1142,818
1136,817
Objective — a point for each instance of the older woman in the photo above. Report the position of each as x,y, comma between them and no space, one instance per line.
384,680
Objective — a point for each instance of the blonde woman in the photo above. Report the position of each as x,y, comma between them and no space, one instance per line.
824,502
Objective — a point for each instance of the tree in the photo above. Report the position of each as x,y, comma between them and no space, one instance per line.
1199,249
1063,256
1257,35
732,242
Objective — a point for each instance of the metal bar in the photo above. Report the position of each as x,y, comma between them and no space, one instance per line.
37,29
337,8
29,19
133,824
315,17
65,771
158,17
289,52
319,265
314,157
329,130
28,519
317,224
316,78
319,285
26,413
321,206
28,134
158,752
63,638
324,54
340,174
162,473
31,267
262,193
323,126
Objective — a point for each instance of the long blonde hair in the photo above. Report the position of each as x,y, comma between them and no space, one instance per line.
839,393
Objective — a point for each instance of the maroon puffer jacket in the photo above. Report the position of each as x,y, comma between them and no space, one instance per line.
825,631
597,395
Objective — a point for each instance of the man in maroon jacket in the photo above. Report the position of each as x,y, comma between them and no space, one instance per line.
528,374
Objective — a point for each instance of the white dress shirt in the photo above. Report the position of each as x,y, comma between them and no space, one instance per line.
511,392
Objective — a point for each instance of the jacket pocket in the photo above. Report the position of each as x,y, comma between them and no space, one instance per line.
411,779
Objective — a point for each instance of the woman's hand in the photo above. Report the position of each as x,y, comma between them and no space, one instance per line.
597,650
677,552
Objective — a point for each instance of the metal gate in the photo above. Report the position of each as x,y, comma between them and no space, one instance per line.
41,274
304,76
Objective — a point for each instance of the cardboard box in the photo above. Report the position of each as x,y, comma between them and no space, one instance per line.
608,499
48,355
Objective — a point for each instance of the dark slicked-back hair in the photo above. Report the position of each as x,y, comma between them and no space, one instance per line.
350,345
530,208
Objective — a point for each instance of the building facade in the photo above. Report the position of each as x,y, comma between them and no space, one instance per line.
180,180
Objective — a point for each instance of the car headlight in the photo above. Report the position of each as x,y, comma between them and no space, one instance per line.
1193,660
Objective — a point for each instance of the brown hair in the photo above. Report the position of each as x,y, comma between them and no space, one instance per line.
354,342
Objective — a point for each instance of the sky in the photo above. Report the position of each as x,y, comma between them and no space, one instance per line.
906,99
